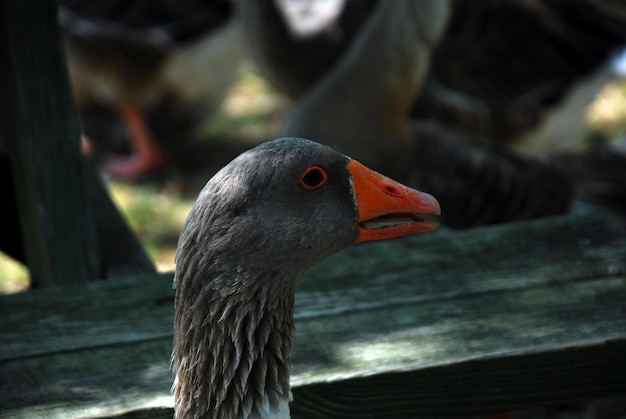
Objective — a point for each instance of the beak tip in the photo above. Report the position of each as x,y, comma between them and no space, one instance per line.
431,204
437,207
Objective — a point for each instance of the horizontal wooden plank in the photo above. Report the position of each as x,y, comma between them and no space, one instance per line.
490,319
478,386
97,314
501,383
410,270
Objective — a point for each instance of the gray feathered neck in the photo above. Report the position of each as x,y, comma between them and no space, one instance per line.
250,236
231,352
233,324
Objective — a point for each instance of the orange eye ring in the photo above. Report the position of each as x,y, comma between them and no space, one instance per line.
314,177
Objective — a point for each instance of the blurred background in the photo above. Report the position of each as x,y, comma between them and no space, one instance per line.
458,102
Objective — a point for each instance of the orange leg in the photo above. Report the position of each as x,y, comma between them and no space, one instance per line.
86,145
147,156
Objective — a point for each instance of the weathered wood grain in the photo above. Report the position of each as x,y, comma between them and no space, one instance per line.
72,230
443,324
120,251
40,133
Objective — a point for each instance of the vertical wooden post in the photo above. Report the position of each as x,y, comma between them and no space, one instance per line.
39,129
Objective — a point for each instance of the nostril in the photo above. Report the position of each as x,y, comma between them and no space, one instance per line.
391,190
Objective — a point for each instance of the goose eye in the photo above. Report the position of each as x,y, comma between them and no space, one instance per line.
313,177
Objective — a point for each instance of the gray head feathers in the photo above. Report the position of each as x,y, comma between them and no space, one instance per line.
253,231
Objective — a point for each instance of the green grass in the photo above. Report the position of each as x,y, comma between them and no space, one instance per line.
156,215
607,114
13,275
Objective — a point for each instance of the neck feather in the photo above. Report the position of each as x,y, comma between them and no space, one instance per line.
231,349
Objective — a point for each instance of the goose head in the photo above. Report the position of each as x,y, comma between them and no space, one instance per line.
256,227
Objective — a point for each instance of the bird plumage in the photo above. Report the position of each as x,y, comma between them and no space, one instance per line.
475,104
256,227
175,60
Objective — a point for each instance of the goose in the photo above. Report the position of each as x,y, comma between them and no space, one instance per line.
358,110
508,70
294,55
475,115
256,227
519,110
170,61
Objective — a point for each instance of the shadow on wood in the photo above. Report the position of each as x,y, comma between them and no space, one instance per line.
471,322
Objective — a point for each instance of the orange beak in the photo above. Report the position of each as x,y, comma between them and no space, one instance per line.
389,209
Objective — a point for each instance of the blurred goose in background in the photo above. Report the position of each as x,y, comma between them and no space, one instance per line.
174,59
505,69
548,59
294,43
475,106
355,107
